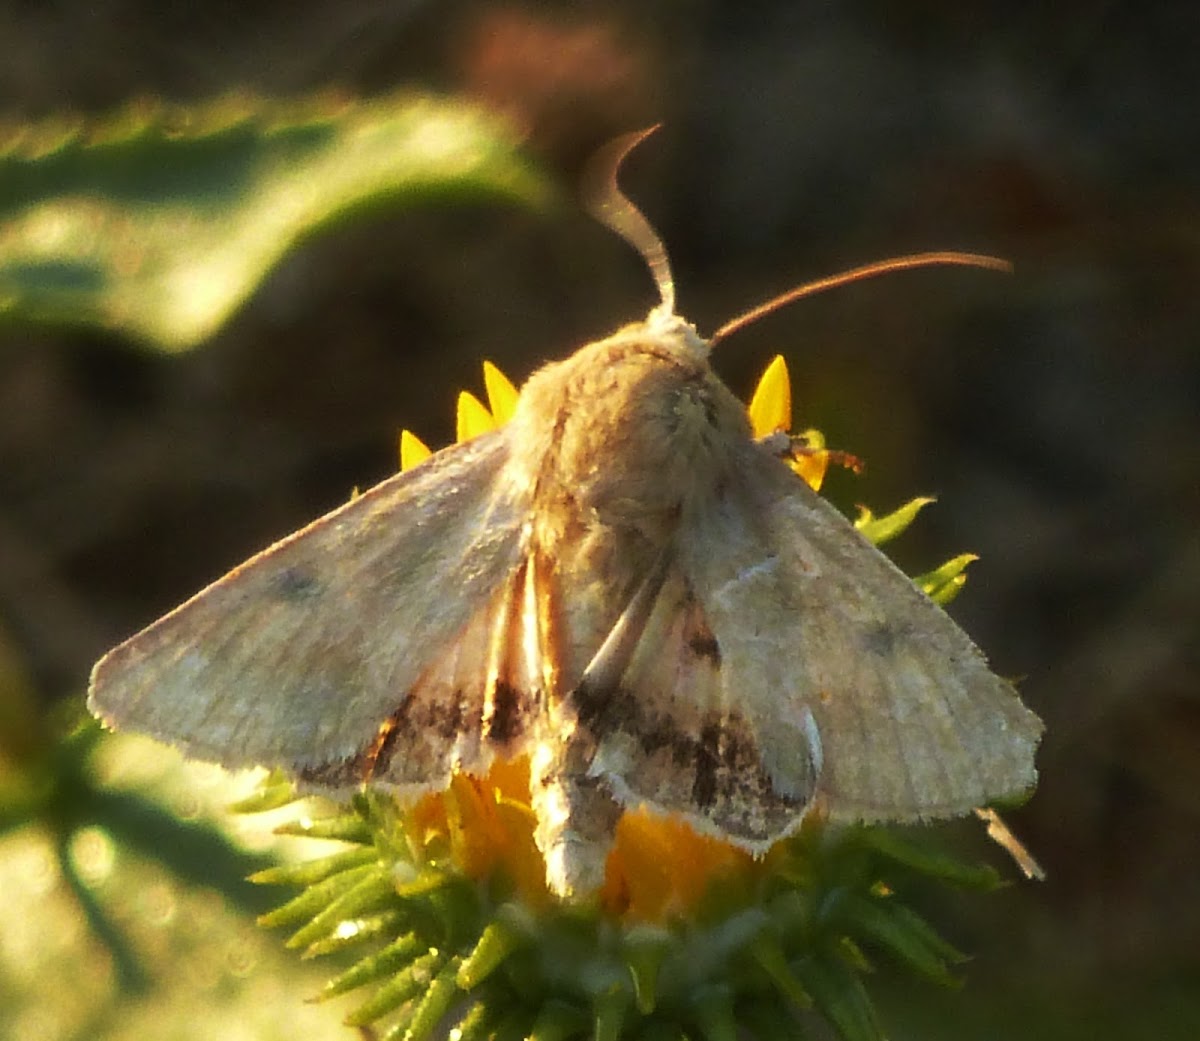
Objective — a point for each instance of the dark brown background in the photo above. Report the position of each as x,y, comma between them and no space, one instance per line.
1055,413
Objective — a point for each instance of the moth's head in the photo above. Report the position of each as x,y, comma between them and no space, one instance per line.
678,334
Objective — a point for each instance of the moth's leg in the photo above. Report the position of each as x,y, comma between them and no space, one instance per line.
791,446
779,444
1000,834
608,664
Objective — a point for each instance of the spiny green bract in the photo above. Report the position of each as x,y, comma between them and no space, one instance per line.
441,953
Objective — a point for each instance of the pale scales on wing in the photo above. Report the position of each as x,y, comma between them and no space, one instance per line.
622,583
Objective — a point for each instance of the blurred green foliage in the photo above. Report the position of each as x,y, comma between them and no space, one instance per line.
158,222
155,225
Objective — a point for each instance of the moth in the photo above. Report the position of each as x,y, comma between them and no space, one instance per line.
622,583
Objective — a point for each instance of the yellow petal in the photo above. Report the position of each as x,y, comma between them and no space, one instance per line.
490,827
522,860
510,779
811,463
771,406
501,394
413,451
473,418
478,838
659,867
428,816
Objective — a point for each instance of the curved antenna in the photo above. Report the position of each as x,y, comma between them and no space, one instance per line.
878,267
612,208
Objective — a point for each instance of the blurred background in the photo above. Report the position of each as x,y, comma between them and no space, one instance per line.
1055,413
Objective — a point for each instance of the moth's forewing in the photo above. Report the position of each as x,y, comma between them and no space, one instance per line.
297,657
785,661
910,723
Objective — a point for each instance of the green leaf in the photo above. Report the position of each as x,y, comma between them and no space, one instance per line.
766,951
645,949
274,791
478,1024
905,935
442,992
497,941
398,954
158,224
344,827
372,893
402,987
317,898
610,1011
770,1018
558,1020
841,997
881,529
927,861
944,583
712,1013
312,871
365,929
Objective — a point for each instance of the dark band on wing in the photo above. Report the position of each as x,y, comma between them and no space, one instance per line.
698,636
474,698
412,744
511,714
711,768
422,726
708,764
703,644
344,773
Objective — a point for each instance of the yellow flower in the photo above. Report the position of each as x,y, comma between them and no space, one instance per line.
690,936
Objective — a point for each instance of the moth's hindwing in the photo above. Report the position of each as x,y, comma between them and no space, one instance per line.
673,733
477,696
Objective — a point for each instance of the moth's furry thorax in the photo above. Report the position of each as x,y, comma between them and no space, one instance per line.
633,430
